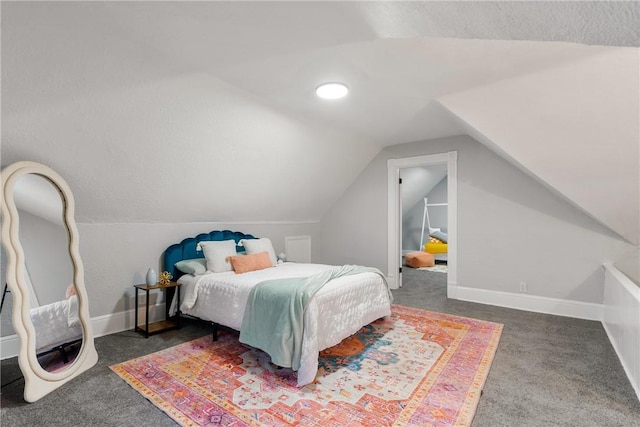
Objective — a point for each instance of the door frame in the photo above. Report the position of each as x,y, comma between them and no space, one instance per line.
394,238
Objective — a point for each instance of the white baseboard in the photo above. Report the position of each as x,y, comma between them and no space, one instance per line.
101,325
9,346
452,290
391,281
124,320
538,304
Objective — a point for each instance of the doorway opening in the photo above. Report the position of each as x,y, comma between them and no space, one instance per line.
424,229
446,164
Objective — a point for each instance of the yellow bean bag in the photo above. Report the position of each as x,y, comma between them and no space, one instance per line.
435,248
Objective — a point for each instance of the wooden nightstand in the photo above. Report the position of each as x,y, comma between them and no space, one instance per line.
163,325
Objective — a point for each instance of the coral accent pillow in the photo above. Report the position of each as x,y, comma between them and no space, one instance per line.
71,291
253,262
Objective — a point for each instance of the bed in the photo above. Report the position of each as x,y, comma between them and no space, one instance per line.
57,325
337,311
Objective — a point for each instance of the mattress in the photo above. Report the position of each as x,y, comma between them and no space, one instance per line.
336,312
56,324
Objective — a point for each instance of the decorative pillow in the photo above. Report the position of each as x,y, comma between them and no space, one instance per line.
217,253
440,236
245,263
193,266
71,291
254,246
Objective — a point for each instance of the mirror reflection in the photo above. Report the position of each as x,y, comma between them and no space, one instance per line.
48,271
6,304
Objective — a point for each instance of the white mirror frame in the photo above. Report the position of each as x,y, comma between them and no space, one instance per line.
38,381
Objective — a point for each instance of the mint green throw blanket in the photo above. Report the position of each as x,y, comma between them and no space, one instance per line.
273,318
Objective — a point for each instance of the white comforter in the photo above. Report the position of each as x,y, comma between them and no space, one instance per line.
56,323
337,311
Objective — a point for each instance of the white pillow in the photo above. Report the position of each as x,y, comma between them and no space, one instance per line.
254,246
216,254
439,235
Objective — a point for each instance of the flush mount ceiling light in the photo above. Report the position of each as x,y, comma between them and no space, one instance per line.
332,90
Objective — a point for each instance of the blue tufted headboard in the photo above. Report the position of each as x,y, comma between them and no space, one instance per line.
187,248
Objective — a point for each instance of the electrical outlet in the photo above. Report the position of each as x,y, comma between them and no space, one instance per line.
523,286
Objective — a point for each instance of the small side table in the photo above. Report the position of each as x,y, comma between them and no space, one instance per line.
163,325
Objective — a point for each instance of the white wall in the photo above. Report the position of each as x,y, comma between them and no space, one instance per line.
510,227
46,252
117,256
438,214
412,217
629,264
412,228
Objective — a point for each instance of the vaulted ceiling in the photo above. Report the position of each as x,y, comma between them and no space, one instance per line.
205,111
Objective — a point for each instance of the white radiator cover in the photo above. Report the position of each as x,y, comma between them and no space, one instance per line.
621,321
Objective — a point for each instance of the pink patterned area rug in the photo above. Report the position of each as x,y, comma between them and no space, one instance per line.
414,368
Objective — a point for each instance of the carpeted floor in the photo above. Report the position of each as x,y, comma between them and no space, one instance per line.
548,371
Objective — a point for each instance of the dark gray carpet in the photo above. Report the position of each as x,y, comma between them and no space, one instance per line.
548,371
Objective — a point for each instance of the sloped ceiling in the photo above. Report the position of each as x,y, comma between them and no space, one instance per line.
572,128
418,182
205,111
37,196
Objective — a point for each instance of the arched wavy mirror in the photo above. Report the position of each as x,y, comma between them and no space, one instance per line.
45,274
